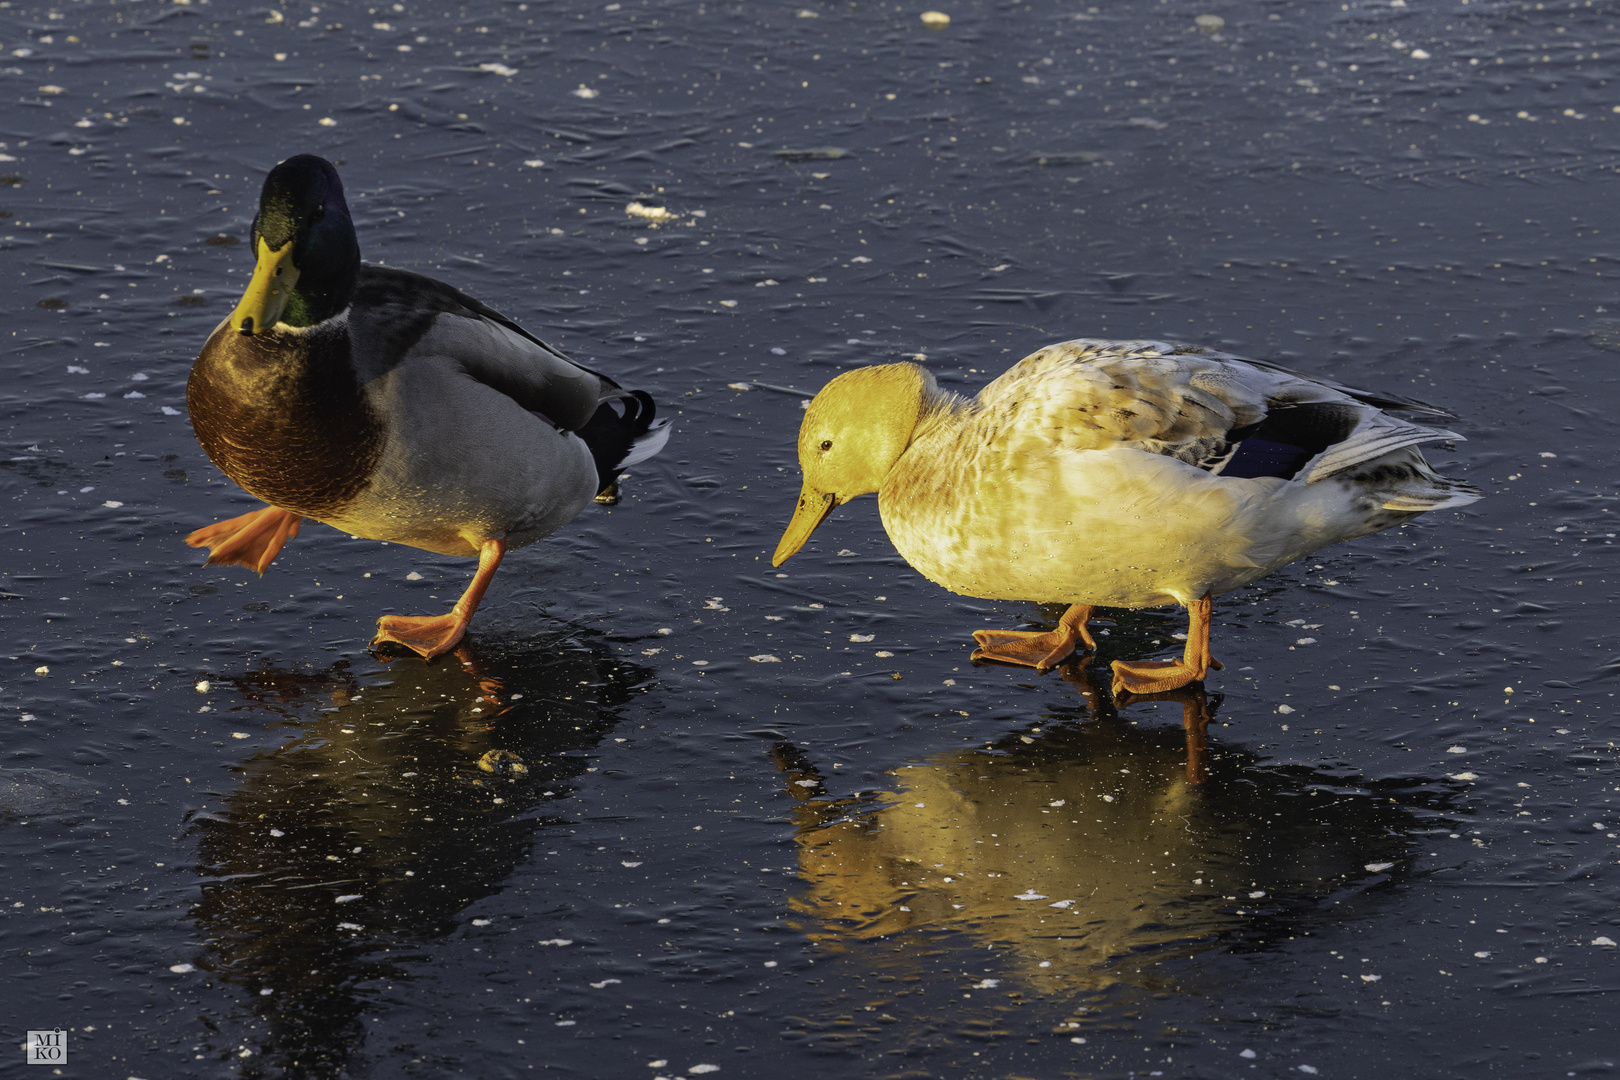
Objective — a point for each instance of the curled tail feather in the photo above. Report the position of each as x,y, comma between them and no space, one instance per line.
623,432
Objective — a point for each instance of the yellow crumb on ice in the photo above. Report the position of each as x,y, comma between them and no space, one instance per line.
658,215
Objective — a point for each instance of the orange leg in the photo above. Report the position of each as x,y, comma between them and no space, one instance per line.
1157,676
1041,651
251,540
435,635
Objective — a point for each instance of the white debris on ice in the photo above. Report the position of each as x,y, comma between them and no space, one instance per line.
658,215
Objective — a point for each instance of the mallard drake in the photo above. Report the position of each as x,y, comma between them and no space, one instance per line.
1120,473
394,407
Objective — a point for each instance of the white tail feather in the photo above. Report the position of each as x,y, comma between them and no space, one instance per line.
1432,500
647,445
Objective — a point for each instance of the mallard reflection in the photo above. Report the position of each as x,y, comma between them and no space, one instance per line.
1086,841
366,834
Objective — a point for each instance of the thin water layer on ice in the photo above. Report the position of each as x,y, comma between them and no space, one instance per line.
774,819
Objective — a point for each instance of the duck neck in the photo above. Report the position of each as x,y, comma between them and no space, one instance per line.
940,411
305,311
324,291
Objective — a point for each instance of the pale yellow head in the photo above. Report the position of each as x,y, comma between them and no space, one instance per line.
853,433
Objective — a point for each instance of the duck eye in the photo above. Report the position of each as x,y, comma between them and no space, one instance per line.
826,445
320,212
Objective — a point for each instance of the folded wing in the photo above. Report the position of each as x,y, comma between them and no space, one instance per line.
1221,413
413,316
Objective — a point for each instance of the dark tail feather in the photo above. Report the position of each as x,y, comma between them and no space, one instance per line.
622,433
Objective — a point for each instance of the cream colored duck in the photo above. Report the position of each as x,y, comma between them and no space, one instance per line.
1114,473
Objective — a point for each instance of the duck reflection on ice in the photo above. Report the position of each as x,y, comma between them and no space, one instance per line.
1085,845
343,849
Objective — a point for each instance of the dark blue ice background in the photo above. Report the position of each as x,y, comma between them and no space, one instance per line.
234,844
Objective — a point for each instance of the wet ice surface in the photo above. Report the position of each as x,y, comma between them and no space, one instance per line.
775,820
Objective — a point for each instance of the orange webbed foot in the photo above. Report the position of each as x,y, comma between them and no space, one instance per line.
1161,676
251,540
1026,648
1156,676
1041,651
430,636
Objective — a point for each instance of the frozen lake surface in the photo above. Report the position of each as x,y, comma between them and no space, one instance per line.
776,823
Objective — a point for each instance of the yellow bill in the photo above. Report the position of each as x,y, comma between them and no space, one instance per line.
813,508
274,276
